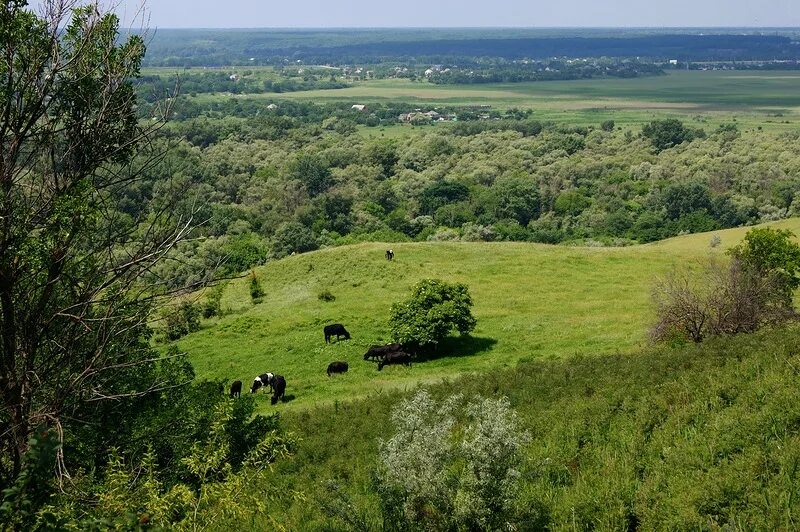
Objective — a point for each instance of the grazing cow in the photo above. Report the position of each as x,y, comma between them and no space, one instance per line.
376,352
398,357
337,367
236,389
265,379
335,329
389,254
278,389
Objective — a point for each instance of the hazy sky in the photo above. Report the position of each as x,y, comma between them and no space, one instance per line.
457,13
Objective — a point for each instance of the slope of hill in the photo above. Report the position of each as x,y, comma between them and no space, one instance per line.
531,301
703,437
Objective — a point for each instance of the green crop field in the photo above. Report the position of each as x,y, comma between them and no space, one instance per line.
701,90
532,301
767,99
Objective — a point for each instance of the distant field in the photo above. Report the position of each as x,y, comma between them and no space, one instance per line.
769,99
711,90
531,301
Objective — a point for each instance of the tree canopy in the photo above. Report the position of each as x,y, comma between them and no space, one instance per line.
434,309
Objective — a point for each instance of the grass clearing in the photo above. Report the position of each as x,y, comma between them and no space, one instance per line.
532,301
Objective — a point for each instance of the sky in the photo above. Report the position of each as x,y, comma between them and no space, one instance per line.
463,13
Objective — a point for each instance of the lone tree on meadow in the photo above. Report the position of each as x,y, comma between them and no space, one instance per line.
73,307
435,309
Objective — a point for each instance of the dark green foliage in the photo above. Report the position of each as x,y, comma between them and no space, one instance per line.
441,193
434,309
313,172
256,291
32,487
334,213
772,253
517,199
680,199
212,304
180,321
454,214
384,154
571,202
293,237
670,132
607,125
243,251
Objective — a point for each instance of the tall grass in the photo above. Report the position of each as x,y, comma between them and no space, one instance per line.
699,437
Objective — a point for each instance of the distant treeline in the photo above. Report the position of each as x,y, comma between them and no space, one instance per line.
261,47
552,71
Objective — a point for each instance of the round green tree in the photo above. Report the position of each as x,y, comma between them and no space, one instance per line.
433,311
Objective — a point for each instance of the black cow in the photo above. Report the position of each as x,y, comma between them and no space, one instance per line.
265,379
389,254
337,367
278,388
376,352
236,389
336,329
398,357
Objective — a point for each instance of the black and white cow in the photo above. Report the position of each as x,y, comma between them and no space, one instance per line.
389,254
265,379
335,329
337,367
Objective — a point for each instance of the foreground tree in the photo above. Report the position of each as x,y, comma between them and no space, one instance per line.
73,309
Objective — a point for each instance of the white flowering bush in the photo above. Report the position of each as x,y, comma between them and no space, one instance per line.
452,464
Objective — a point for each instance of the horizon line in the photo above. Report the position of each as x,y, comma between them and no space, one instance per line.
349,28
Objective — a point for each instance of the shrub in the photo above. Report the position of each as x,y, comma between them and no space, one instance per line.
182,320
665,134
293,237
256,292
607,125
772,254
212,304
723,299
326,295
434,309
437,473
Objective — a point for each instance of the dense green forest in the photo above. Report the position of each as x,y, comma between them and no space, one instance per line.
299,177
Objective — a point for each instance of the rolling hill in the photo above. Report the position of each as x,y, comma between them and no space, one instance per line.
531,301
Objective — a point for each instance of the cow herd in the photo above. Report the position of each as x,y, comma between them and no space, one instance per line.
384,355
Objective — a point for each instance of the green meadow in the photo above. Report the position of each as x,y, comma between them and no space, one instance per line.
532,301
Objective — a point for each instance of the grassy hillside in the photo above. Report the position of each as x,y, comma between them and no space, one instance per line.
531,301
704,437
